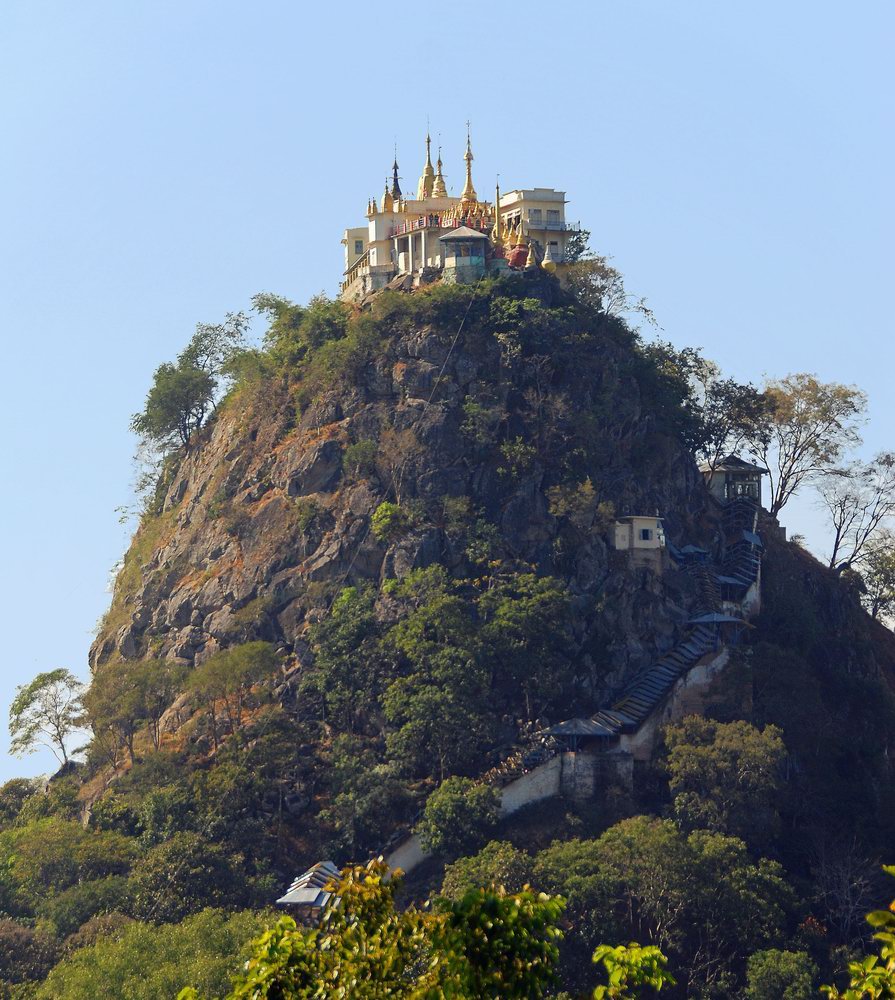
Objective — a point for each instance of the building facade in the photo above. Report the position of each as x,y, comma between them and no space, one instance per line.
403,236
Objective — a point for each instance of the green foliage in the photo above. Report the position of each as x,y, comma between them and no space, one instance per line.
518,458
390,522
26,954
13,796
47,856
182,876
497,863
780,975
225,683
306,510
360,458
724,776
877,571
458,816
873,977
183,393
487,944
46,712
480,422
631,967
68,910
146,962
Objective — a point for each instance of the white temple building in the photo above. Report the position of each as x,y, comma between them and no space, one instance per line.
409,237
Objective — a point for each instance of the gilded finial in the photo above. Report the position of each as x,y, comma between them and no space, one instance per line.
439,190
468,194
387,202
425,187
396,187
531,261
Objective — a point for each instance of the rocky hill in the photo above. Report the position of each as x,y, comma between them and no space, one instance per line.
269,514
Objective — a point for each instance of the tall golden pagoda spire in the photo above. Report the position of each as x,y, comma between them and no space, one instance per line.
427,178
387,203
439,189
468,195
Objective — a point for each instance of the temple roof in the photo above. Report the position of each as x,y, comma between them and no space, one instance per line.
309,889
733,463
464,233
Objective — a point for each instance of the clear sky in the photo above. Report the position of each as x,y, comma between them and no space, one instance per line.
164,161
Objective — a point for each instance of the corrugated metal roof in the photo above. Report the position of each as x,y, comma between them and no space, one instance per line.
579,727
309,889
464,233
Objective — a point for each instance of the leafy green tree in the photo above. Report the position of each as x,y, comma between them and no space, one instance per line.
497,863
877,571
69,909
458,816
366,796
629,968
441,688
347,658
577,246
183,393
724,776
486,944
116,709
46,712
158,683
526,633
780,975
26,953
13,796
226,679
731,413
182,876
145,961
47,856
873,977
811,425
389,522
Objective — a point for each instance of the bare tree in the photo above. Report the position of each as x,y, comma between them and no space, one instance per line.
812,424
859,500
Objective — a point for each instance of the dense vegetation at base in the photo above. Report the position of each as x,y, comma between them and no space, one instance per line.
749,851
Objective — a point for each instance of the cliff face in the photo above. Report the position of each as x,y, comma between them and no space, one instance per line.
477,437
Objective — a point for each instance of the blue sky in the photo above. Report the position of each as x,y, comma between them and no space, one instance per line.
163,162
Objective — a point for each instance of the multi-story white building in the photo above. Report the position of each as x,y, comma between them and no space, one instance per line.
403,235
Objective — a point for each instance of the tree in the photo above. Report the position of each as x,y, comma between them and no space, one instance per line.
46,712
878,575
458,816
183,393
526,635
577,246
158,683
731,413
487,944
600,286
860,499
811,425
497,863
26,954
115,708
227,678
780,975
145,961
723,776
874,976
629,967
184,875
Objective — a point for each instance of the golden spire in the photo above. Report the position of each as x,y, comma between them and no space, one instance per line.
439,190
424,188
532,259
468,195
387,204
520,232
496,237
372,206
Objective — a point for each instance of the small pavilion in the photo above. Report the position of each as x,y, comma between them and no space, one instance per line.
732,478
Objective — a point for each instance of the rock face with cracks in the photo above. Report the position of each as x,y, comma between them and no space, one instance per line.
269,513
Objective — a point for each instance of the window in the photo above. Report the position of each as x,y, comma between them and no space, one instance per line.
646,534
553,215
534,215
358,246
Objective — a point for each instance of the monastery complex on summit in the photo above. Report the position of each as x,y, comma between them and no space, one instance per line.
407,240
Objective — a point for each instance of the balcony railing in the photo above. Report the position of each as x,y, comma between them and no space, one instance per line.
435,221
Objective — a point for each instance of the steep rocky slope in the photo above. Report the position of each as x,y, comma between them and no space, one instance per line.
266,518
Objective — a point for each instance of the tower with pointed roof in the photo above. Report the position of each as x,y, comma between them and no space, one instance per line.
468,195
427,179
439,190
